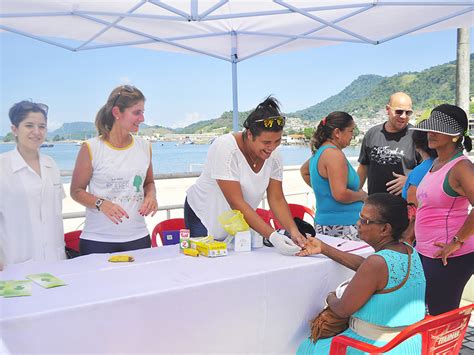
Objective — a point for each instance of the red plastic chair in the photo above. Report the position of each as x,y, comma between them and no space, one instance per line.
172,224
265,215
442,334
72,240
296,211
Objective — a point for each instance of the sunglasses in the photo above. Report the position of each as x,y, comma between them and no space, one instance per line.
268,122
400,112
368,221
128,88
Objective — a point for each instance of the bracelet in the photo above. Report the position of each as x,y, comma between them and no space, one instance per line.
457,240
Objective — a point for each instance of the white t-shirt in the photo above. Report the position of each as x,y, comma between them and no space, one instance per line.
118,175
31,223
225,161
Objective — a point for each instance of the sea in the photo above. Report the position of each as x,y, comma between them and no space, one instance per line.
173,157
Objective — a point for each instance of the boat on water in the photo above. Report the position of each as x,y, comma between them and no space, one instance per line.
47,145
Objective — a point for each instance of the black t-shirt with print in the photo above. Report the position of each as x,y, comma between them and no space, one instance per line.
383,153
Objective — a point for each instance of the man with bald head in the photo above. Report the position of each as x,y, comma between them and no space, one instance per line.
387,154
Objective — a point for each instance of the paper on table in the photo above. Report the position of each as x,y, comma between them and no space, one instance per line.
342,244
17,288
46,280
3,284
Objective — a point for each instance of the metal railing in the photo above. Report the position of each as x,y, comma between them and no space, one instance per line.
169,208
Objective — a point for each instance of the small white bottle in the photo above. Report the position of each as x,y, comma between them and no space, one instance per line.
257,239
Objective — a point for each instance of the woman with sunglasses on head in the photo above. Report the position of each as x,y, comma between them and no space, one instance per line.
387,292
239,169
31,192
113,178
334,181
444,227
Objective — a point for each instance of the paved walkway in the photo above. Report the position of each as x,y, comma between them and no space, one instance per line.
468,343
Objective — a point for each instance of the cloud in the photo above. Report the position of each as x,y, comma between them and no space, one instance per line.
53,125
189,117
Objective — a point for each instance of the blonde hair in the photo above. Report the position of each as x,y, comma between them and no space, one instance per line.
123,96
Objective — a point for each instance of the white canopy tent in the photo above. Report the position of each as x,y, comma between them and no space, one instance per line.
231,30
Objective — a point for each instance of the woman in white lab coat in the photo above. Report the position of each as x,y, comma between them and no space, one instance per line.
31,225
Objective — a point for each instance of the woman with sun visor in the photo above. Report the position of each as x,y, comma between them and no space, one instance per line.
240,167
444,227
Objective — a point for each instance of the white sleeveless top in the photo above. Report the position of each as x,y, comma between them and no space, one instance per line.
118,175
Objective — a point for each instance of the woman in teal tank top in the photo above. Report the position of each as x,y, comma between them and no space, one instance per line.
334,181
377,317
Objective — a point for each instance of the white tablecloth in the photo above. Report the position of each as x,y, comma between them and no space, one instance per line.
166,302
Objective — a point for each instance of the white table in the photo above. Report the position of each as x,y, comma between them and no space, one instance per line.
166,302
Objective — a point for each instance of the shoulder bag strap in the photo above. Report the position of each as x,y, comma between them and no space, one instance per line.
392,289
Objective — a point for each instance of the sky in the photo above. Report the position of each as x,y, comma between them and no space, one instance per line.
184,88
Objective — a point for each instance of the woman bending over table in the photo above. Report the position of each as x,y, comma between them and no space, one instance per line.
239,169
444,227
374,314
31,192
113,178
334,181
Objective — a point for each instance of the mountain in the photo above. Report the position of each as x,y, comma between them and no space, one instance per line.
359,89
369,93
363,98
84,130
225,120
74,130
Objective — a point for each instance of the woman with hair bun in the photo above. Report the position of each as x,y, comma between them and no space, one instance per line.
113,178
444,227
334,181
240,167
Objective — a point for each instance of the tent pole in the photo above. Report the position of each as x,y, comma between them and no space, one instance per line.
235,100
462,69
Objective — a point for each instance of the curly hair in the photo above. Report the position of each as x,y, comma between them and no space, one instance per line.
392,209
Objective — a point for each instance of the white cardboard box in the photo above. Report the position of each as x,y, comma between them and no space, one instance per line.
242,241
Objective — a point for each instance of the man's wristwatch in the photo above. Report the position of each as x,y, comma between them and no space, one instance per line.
99,203
457,240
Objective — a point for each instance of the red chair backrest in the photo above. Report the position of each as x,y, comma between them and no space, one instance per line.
264,214
71,240
296,211
171,224
441,334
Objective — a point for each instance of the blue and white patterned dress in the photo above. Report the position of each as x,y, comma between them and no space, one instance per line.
402,307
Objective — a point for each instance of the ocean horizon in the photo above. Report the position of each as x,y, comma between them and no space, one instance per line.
172,157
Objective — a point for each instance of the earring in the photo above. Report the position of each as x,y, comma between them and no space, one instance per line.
455,139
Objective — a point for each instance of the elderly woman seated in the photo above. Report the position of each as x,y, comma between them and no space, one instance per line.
377,316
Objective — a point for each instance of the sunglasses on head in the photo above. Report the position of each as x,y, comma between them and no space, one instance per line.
128,88
268,122
368,221
400,112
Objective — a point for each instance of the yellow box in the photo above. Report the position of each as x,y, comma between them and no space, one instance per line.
209,247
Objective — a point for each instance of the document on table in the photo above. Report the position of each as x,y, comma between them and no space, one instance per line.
342,244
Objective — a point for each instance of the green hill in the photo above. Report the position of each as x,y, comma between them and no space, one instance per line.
84,130
363,98
225,120
427,88
359,89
